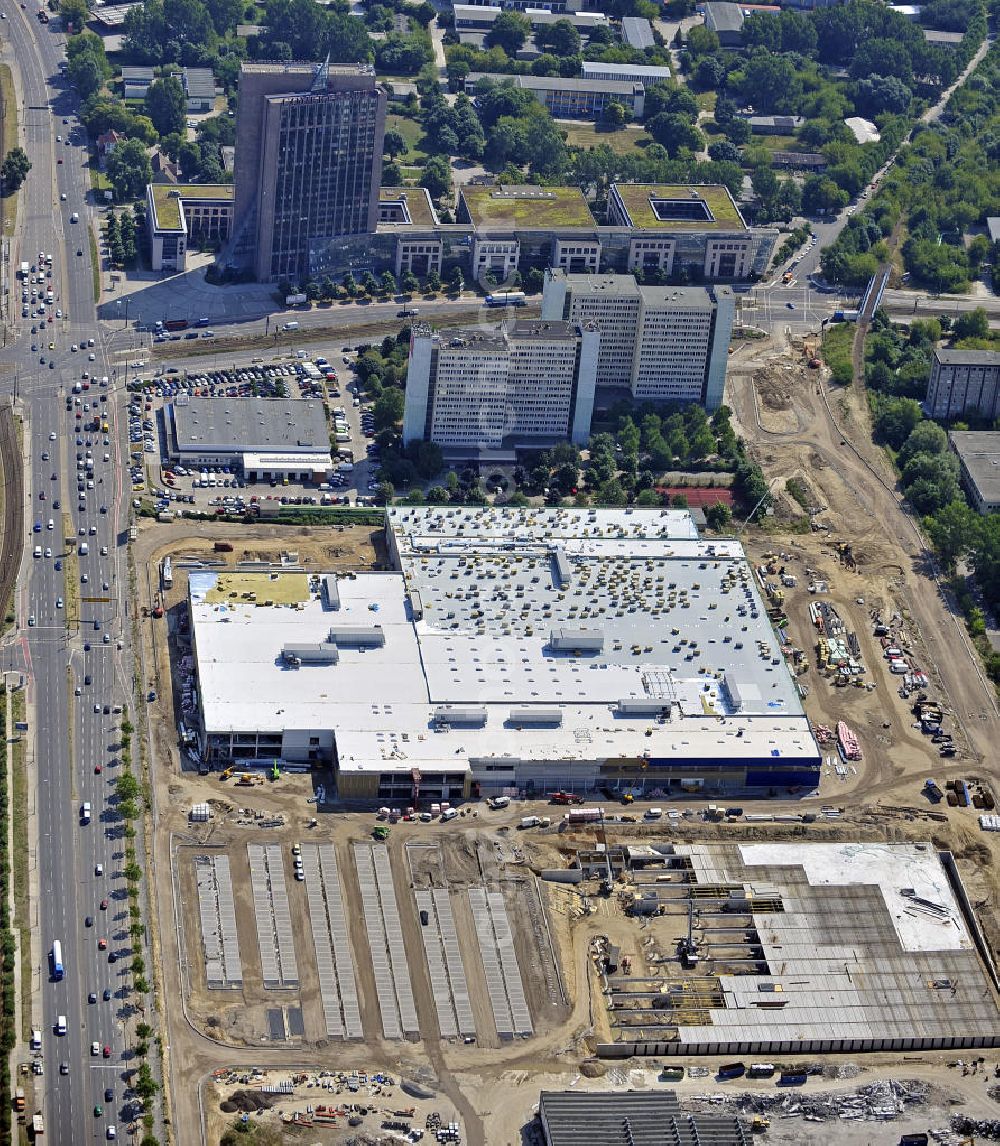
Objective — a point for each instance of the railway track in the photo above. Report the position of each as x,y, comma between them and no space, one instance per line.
12,477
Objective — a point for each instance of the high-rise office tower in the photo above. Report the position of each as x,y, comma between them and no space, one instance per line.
528,381
308,161
664,343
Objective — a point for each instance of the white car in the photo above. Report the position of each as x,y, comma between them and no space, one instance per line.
99,869
62,196
52,436
95,1048
92,357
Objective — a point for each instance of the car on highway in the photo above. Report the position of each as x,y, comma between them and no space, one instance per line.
95,1048
88,921
106,1051
92,997
107,998
102,944
99,868
109,1095
59,602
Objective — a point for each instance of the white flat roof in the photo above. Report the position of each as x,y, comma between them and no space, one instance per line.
647,642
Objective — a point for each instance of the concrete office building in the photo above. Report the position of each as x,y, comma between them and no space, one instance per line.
529,382
978,453
576,97
508,650
308,162
964,382
258,437
179,216
691,231
665,344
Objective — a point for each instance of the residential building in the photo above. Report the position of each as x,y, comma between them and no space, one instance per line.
978,453
308,162
106,143
502,648
726,21
964,382
136,82
199,88
530,381
664,343
181,215
573,98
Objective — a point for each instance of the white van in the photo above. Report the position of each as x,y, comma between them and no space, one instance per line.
290,326
84,549
38,551
653,813
85,813
36,1040
61,1025
450,814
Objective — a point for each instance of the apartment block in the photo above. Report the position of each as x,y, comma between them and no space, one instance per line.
308,162
529,381
664,344
964,382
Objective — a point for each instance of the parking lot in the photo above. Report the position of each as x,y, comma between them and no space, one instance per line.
222,488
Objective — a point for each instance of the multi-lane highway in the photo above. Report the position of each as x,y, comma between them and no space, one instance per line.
73,635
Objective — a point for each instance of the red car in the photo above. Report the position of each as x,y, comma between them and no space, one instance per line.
104,905
106,1052
98,769
102,944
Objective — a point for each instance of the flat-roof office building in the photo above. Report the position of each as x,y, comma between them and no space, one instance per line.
530,382
507,650
308,162
665,344
964,382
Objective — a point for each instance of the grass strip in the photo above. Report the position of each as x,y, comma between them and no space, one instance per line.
9,100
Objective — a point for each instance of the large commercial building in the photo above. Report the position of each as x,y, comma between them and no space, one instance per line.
308,162
686,233
259,437
964,382
527,383
635,1118
507,650
665,344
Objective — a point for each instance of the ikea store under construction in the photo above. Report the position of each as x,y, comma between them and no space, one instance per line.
508,650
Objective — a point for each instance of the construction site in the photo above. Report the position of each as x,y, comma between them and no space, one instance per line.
479,959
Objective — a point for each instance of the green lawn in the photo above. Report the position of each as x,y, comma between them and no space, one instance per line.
587,135
98,179
411,132
8,140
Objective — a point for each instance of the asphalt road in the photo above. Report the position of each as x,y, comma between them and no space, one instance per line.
69,738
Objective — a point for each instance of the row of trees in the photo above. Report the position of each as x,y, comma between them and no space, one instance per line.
942,184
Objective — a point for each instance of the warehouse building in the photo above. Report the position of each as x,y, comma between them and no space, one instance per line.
507,650
810,948
633,1118
529,383
665,344
262,438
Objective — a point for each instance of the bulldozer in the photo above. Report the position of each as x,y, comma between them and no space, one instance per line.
226,774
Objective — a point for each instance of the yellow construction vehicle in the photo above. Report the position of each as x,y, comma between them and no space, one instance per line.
226,774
